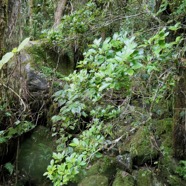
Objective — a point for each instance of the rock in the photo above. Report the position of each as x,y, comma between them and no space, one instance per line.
124,162
157,182
36,81
33,68
123,179
176,181
35,154
144,177
167,168
162,127
105,166
43,55
94,180
27,93
140,146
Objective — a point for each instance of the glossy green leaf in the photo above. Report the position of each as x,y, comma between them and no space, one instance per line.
23,44
6,58
136,66
104,86
175,27
130,72
9,167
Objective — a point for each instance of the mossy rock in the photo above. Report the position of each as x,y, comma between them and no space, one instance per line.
140,146
167,168
144,178
33,68
105,166
28,74
124,162
174,180
163,127
94,180
35,154
46,59
163,131
123,179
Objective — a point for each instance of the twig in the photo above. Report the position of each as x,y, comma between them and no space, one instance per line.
152,14
22,102
17,157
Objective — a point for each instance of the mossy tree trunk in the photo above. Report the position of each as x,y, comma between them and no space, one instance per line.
3,15
31,6
13,31
179,131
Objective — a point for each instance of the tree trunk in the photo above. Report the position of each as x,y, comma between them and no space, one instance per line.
59,12
13,29
31,5
179,130
3,15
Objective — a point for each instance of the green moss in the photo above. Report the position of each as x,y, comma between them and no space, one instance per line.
163,127
167,166
53,110
45,59
35,154
123,179
105,166
163,131
176,181
94,180
140,146
144,178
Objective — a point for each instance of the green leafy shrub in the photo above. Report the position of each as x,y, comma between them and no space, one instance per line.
110,69
74,26
181,169
82,26
41,10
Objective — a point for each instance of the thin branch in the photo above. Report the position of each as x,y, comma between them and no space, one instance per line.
152,14
22,102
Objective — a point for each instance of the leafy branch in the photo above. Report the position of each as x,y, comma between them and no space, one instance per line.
109,68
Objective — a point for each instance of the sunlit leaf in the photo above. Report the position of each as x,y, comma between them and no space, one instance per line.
175,27
137,66
97,42
130,72
104,86
14,50
6,58
9,167
23,44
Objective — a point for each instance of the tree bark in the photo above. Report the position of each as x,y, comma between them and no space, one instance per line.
59,12
14,24
179,130
3,16
31,5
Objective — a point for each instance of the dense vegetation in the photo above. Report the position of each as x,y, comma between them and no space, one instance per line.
128,56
